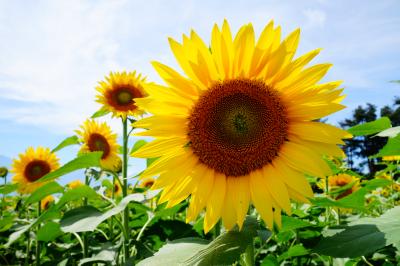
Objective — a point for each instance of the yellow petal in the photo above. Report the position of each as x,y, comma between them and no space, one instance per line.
215,202
260,197
159,147
277,188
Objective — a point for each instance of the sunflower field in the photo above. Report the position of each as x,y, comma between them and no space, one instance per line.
241,168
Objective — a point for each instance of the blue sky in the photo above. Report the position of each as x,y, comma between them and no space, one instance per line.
52,53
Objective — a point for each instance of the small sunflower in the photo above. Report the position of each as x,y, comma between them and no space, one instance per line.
147,182
31,166
99,137
340,180
384,176
46,202
74,184
240,125
117,190
391,158
119,92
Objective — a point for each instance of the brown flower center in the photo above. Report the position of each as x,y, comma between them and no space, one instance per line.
36,169
238,126
98,142
122,98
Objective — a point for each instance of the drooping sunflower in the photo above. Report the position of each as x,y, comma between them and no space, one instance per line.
74,184
119,92
239,125
31,166
46,202
147,182
338,181
99,137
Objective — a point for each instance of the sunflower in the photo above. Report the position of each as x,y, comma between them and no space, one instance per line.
74,184
119,92
147,182
340,180
31,166
46,202
240,125
99,137
391,158
117,190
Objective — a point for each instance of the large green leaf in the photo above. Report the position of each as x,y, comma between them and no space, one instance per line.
49,232
85,160
370,128
8,188
78,193
43,191
390,132
87,218
224,250
391,148
363,237
105,255
66,142
138,144
294,251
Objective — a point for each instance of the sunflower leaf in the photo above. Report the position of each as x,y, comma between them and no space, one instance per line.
363,237
370,128
85,160
392,148
49,232
101,112
43,191
66,142
78,193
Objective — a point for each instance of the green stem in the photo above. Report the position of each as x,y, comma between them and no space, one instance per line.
28,247
125,185
37,240
248,257
327,195
85,245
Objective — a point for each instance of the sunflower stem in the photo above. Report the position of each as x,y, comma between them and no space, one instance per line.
327,195
125,185
85,246
39,210
248,256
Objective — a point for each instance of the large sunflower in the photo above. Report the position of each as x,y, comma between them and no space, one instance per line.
31,166
119,91
239,126
99,137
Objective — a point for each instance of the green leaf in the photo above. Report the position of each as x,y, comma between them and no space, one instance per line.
290,223
85,160
43,191
390,132
175,252
370,128
294,251
87,218
100,113
270,260
363,237
138,144
66,142
105,255
49,232
47,215
8,188
224,250
391,148
77,193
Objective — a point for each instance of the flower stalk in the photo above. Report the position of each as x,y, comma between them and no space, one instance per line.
125,185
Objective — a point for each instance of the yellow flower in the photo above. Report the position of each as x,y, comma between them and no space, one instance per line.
147,182
239,127
119,92
31,166
384,176
337,181
391,158
396,187
45,203
75,184
99,137
117,190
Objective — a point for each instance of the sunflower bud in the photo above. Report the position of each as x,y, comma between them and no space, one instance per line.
3,171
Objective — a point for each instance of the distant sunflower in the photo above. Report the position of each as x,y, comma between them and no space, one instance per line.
74,184
119,92
147,182
337,181
117,190
99,137
241,126
31,166
46,202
